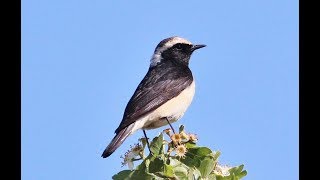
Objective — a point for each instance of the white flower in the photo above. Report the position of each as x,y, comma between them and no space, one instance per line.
136,149
167,131
184,136
193,138
130,155
176,138
181,150
128,159
222,170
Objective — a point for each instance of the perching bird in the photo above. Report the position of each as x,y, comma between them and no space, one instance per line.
163,95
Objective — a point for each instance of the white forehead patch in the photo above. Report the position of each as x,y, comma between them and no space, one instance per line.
169,42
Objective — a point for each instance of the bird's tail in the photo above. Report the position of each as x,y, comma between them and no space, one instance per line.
117,140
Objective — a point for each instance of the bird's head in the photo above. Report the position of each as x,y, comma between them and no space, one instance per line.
174,49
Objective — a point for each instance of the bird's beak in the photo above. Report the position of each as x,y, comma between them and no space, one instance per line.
197,46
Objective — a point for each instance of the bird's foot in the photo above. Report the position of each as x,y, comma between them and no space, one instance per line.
170,125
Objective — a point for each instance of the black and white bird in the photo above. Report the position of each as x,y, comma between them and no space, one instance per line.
163,95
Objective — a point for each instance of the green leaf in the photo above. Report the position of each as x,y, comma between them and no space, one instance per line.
142,175
179,168
159,168
156,145
144,142
190,145
174,162
156,165
181,128
143,166
168,171
181,172
239,169
242,174
191,161
206,167
199,152
195,155
122,175
203,151
194,173
216,155
212,177
219,177
234,177
136,174
238,172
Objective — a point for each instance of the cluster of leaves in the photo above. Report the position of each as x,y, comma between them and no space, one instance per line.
193,162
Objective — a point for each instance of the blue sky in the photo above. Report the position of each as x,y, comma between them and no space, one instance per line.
82,60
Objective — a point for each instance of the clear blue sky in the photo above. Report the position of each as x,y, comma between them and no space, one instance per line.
82,60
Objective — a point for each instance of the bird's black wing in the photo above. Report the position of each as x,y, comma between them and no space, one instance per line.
161,83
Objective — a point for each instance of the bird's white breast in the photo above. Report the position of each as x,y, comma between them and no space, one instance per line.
173,109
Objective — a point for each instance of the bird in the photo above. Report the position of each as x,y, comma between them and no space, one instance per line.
163,95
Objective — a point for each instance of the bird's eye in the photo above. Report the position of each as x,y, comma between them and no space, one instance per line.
179,47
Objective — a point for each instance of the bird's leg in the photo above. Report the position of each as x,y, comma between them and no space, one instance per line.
145,135
170,125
